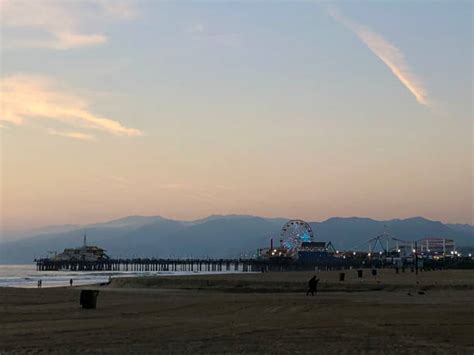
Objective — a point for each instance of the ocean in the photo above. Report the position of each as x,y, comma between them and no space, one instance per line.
26,276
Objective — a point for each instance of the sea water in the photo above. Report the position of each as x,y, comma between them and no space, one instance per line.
26,276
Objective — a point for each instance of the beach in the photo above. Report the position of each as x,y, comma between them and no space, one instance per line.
432,312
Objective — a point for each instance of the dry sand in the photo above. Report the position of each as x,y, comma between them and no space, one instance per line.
249,313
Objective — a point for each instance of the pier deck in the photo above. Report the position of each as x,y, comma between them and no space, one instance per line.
196,265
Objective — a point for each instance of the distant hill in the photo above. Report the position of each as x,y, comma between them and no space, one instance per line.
467,229
22,234
129,221
217,236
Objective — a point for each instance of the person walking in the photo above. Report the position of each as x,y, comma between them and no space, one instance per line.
312,286
70,282
40,283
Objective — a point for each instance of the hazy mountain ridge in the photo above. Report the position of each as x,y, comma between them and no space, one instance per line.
219,236
462,227
128,221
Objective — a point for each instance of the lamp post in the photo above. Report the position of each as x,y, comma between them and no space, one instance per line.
416,259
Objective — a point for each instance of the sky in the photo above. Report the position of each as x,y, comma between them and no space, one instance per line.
281,109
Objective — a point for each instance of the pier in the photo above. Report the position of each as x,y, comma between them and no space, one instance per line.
193,265
236,265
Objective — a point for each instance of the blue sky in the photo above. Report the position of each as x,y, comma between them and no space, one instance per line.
277,109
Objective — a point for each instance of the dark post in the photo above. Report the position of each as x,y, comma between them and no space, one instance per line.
416,259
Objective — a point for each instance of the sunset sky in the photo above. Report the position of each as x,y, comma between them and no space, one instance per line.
301,110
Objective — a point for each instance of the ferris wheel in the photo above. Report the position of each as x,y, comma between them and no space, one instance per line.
295,232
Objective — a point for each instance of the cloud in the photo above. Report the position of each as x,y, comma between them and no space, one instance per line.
119,179
118,9
197,29
57,24
28,97
388,54
172,186
225,187
200,33
73,135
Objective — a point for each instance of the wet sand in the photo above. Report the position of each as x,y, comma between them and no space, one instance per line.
251,313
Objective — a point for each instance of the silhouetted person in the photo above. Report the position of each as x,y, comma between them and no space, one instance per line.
312,286
70,282
40,283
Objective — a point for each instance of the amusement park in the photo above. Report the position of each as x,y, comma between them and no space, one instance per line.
298,243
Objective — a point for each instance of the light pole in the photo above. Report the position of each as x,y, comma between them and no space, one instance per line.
416,259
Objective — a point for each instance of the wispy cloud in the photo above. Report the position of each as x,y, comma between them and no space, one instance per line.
120,180
118,9
71,134
173,186
201,33
59,24
197,29
388,54
27,97
225,187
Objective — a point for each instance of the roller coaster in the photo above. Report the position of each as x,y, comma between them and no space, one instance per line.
386,244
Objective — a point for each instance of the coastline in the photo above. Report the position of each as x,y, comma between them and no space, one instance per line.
26,276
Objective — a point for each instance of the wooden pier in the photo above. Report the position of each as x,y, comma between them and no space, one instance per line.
174,265
231,265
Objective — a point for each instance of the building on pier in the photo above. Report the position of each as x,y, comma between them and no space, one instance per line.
83,253
312,251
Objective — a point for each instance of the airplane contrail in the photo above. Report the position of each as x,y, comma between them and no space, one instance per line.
387,53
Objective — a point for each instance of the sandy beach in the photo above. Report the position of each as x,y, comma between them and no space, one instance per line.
248,313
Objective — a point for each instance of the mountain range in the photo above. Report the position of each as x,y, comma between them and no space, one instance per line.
214,236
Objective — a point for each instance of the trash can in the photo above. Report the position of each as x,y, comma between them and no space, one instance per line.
88,298
342,275
359,273
374,272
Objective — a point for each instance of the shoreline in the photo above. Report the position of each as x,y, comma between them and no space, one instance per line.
53,279
270,282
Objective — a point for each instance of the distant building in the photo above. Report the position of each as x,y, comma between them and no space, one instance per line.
314,251
313,246
434,245
84,253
